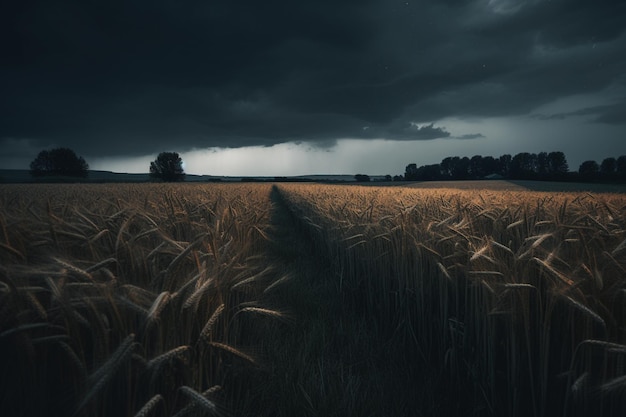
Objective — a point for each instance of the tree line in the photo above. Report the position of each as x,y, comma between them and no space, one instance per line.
63,162
542,166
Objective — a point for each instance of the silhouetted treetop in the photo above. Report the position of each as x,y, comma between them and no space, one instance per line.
588,170
557,163
59,161
167,167
608,167
524,165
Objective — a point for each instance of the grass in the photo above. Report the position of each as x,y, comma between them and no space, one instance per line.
248,299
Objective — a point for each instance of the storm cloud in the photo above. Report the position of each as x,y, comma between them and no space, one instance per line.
614,113
116,77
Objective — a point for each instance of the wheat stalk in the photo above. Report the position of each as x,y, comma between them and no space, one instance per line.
149,406
200,400
207,330
99,379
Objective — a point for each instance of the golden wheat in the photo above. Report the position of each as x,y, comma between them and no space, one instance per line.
512,302
106,273
472,258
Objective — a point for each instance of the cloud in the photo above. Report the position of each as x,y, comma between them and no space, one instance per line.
470,136
133,78
613,114
13,147
414,131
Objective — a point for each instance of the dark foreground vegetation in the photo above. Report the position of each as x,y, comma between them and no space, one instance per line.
310,300
474,303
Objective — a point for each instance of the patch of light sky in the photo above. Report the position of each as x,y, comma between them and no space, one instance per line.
502,135
509,135
348,156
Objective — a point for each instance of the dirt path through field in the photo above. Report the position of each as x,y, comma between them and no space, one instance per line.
303,360
330,361
315,365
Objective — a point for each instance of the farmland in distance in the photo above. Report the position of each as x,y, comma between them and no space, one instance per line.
313,300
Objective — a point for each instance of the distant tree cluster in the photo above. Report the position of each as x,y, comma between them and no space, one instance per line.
59,162
611,169
541,166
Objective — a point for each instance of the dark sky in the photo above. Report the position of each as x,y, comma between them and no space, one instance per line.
118,79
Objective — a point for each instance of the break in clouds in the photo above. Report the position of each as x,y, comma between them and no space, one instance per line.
119,78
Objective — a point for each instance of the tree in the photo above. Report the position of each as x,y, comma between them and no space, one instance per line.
446,167
557,164
543,165
481,166
588,170
429,172
490,165
362,178
59,161
461,168
410,172
523,166
504,163
621,166
167,167
608,168
476,167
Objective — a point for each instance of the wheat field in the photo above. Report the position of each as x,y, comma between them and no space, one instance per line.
315,300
